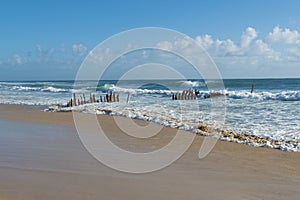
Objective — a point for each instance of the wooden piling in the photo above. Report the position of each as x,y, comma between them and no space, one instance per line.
128,96
81,100
110,97
69,104
90,99
94,98
74,99
113,97
252,88
185,95
84,99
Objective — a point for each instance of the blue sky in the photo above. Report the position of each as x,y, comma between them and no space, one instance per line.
49,39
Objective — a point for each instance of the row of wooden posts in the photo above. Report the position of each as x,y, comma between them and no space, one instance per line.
192,94
186,95
109,97
114,97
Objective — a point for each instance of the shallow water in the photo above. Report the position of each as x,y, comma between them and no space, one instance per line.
271,111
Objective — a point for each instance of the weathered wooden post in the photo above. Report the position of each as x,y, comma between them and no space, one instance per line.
128,96
110,97
90,100
113,97
94,98
252,88
81,100
84,99
74,99
69,104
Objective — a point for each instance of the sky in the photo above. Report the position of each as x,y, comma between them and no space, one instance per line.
49,39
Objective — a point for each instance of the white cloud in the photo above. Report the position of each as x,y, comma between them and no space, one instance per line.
18,59
79,49
15,60
47,56
217,47
293,54
251,56
44,55
206,41
99,55
279,47
261,48
286,36
247,37
166,45
225,48
248,48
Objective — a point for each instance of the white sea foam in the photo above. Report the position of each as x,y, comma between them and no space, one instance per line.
25,88
47,89
189,84
263,95
173,119
141,91
53,89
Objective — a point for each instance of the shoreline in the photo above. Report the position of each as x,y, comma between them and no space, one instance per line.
36,114
201,129
59,167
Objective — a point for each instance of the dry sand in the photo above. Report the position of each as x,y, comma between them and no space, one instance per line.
41,157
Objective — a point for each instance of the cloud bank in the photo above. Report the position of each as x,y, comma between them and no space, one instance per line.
276,53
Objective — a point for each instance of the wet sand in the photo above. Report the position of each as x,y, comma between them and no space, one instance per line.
41,157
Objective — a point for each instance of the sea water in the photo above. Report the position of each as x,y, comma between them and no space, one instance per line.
271,111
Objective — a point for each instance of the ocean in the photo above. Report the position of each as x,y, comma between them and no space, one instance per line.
271,111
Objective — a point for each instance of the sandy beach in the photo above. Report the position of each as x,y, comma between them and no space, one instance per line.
41,157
